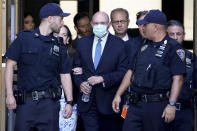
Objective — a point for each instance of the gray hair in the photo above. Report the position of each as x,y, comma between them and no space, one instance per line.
120,9
175,23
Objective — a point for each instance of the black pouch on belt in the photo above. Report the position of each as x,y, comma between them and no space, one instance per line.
19,96
55,92
133,97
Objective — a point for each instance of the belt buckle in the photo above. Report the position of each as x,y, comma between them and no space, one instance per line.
178,106
35,95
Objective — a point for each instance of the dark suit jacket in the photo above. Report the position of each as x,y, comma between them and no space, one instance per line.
112,66
132,47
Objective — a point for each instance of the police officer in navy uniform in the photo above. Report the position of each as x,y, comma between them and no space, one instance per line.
184,118
42,68
156,77
135,43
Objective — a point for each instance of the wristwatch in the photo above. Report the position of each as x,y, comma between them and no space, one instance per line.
172,103
70,102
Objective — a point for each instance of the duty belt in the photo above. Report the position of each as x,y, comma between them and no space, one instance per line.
135,97
37,95
180,105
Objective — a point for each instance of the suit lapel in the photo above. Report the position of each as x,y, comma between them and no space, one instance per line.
89,51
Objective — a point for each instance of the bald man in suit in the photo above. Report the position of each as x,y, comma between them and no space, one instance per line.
103,60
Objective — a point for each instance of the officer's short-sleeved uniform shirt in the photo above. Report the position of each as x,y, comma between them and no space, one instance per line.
176,62
195,72
172,55
186,93
40,60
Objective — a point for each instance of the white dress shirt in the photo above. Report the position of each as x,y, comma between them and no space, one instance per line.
125,38
103,42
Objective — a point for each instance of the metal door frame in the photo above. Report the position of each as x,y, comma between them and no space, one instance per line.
2,45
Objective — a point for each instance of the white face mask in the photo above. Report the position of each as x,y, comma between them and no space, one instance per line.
100,30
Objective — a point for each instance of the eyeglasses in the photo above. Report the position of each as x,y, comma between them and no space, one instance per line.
120,21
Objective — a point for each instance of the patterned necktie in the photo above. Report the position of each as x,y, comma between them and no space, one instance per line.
97,55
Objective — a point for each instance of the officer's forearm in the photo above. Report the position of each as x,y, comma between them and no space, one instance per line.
67,86
176,87
126,82
9,71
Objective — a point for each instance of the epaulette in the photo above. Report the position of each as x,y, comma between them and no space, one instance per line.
33,32
24,31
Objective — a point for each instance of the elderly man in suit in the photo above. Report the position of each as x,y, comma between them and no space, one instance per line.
103,60
120,22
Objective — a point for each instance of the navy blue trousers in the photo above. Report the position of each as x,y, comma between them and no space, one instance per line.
146,117
184,120
42,115
95,121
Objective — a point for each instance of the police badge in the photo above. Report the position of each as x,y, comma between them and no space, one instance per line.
56,50
144,47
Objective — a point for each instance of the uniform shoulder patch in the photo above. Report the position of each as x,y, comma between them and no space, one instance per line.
181,54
